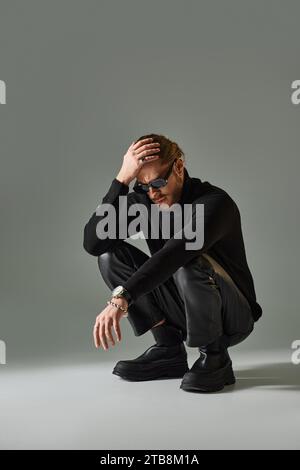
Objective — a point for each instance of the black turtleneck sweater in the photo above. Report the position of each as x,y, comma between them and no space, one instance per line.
223,238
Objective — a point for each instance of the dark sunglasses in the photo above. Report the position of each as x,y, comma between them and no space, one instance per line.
156,184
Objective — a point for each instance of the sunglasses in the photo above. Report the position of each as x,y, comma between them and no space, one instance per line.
156,184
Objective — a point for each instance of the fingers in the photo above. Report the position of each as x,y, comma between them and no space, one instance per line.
149,153
108,333
148,158
96,334
145,150
117,328
102,332
145,147
102,336
141,142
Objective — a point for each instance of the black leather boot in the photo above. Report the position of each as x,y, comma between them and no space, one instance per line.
165,359
212,371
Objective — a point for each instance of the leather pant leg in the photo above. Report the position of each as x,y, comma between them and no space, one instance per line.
214,306
200,298
163,302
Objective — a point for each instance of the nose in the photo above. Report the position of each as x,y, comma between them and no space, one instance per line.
153,193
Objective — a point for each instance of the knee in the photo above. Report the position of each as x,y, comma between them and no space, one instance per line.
182,274
186,273
112,261
105,262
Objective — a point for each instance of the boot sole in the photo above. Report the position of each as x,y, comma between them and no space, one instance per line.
157,371
211,384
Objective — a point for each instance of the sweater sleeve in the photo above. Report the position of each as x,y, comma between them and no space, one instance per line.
91,242
219,211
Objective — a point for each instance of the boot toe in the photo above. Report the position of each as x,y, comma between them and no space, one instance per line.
155,363
208,381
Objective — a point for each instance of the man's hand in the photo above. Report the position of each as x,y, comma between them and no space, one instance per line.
138,154
108,318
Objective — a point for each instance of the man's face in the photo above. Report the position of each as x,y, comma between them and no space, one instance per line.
170,193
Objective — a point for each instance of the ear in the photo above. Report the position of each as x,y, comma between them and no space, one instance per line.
179,166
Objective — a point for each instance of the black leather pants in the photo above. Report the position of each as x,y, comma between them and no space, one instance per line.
200,298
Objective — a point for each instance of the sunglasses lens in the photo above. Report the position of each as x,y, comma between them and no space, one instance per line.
144,188
159,183
141,189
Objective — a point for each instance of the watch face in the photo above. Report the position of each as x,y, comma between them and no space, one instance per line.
117,290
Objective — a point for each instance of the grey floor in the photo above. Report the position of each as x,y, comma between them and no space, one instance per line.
85,406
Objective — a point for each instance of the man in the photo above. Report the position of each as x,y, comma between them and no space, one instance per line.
203,296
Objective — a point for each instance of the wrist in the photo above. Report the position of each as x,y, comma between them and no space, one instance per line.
123,179
121,293
118,306
121,301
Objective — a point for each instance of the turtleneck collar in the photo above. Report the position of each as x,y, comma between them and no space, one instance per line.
186,188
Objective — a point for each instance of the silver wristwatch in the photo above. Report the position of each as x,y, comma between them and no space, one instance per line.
120,291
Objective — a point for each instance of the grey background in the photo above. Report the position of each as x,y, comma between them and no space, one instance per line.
86,78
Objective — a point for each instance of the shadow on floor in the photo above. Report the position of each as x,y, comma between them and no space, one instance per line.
281,376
